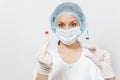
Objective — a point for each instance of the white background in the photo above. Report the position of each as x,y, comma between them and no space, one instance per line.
21,23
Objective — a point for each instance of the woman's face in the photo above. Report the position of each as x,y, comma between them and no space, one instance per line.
67,21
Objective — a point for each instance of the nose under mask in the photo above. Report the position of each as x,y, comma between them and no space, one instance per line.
68,37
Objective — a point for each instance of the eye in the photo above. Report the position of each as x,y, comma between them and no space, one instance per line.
60,25
73,24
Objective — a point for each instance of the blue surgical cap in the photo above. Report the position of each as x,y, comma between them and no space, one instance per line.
68,8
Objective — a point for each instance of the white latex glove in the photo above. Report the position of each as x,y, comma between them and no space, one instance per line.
102,59
44,57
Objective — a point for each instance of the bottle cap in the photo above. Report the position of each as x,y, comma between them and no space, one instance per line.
46,32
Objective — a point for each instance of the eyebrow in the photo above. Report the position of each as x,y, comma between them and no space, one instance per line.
70,22
73,21
60,22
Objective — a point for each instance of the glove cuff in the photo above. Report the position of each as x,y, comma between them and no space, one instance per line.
45,70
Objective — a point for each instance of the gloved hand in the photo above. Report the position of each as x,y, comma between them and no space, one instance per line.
102,59
44,57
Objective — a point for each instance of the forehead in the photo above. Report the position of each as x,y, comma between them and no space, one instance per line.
66,18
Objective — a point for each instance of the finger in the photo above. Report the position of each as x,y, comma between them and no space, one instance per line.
92,50
48,58
44,47
92,57
45,44
90,46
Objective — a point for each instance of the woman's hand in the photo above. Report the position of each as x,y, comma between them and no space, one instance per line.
102,59
44,57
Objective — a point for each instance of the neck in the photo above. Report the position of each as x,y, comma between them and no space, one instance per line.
75,45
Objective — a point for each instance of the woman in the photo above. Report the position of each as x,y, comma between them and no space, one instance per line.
68,60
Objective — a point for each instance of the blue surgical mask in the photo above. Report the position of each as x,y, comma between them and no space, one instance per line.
68,36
